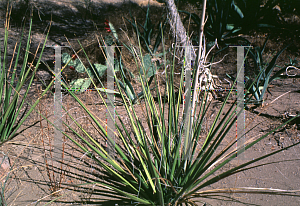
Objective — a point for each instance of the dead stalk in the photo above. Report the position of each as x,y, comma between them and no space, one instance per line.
201,53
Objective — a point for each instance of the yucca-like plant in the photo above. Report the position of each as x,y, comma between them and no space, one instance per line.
12,104
158,157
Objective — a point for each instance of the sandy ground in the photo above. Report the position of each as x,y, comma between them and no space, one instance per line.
31,184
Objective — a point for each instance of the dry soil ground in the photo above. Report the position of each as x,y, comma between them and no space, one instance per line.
32,184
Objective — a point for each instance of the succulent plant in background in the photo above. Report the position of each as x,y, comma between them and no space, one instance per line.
147,71
96,71
82,84
256,14
257,83
146,37
219,25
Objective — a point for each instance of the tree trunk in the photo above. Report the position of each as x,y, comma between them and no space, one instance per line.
178,30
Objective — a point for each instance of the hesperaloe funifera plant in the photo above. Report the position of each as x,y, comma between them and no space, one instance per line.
152,163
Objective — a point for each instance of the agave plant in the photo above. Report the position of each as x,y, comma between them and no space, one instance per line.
147,32
257,14
219,24
257,85
12,104
145,38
